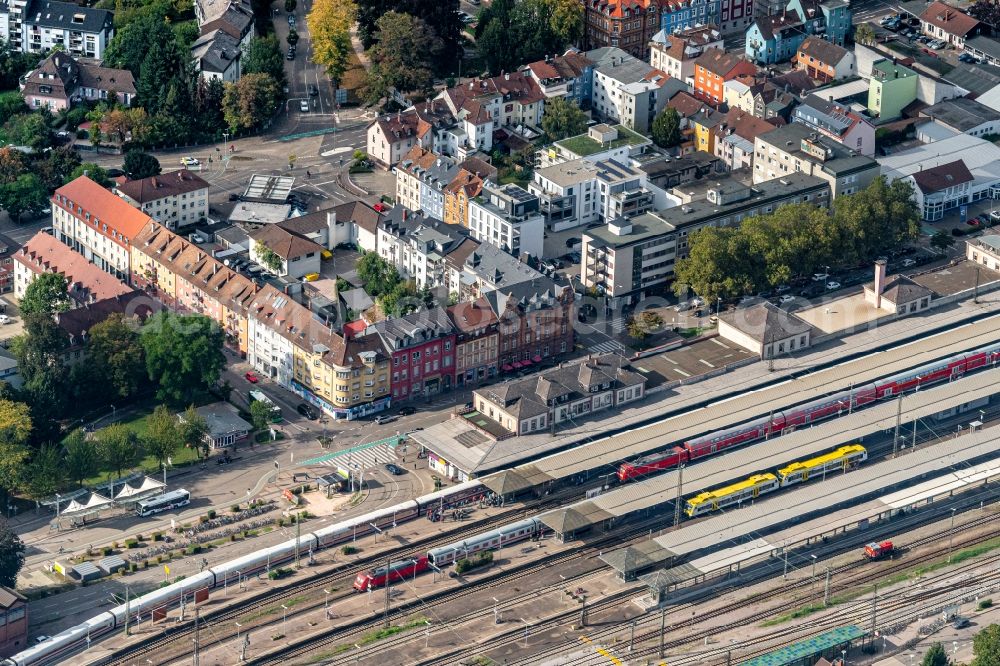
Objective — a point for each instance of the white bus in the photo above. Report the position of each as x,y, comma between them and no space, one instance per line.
164,502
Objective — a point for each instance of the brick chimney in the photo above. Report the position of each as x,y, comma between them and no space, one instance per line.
879,282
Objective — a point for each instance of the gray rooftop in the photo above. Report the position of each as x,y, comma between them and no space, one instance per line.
701,211
765,322
987,45
977,78
961,113
569,173
498,268
222,419
618,64
215,51
266,188
66,15
843,161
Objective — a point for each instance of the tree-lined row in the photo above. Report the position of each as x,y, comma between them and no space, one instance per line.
765,251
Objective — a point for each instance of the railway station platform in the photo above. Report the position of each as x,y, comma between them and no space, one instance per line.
800,516
829,645
578,459
653,493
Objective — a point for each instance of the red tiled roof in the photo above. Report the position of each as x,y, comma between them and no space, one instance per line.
685,104
616,8
103,206
718,61
949,19
87,283
164,185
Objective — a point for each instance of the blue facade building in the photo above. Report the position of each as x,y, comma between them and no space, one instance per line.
676,16
776,38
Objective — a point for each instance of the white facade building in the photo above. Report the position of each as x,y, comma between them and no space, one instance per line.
567,193
37,26
508,216
176,200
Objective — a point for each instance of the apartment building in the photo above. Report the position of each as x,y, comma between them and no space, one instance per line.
734,138
177,199
60,80
568,75
477,342
422,348
97,224
836,121
391,136
567,193
621,191
564,393
713,68
37,26
535,321
417,246
464,187
629,91
299,255
796,148
476,268
185,278
825,61
346,377
629,259
86,284
507,100
675,53
601,142
507,216
624,24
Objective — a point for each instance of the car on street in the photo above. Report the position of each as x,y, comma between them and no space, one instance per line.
313,90
832,285
395,470
407,411
189,161
380,207
907,263
960,622
385,418
974,222
786,298
252,377
820,277
572,242
307,411
683,306
304,106
290,55
967,57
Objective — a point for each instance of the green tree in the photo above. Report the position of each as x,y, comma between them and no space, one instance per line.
666,128
115,352
139,165
377,274
96,173
402,56
864,34
263,56
562,118
942,240
183,355
12,165
441,18
15,432
31,130
269,258
11,556
329,24
39,353
45,295
46,472
27,194
510,33
249,102
935,656
81,459
159,65
636,330
877,219
117,447
163,434
96,136
194,431
57,166
497,36
986,647
11,103
260,415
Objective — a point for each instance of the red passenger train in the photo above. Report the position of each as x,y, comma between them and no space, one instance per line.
793,417
396,571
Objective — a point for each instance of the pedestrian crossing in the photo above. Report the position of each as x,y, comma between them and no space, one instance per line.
363,459
606,347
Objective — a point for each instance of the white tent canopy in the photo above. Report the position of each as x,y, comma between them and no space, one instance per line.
129,491
92,504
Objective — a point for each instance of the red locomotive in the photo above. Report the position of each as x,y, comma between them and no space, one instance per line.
878,551
395,571
793,417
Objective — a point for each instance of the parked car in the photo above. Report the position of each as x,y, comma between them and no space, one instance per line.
385,418
406,411
832,285
967,57
380,207
786,298
820,277
313,90
290,55
960,622
307,411
252,377
572,242
395,470
907,263
189,161
304,106
683,306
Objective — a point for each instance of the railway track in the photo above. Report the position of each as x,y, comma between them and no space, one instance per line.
344,635
793,604
313,586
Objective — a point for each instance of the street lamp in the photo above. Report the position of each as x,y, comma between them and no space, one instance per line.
284,617
326,605
813,570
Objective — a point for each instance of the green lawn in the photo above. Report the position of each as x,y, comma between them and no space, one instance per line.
583,145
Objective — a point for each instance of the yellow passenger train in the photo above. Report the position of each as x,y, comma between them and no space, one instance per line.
753,487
